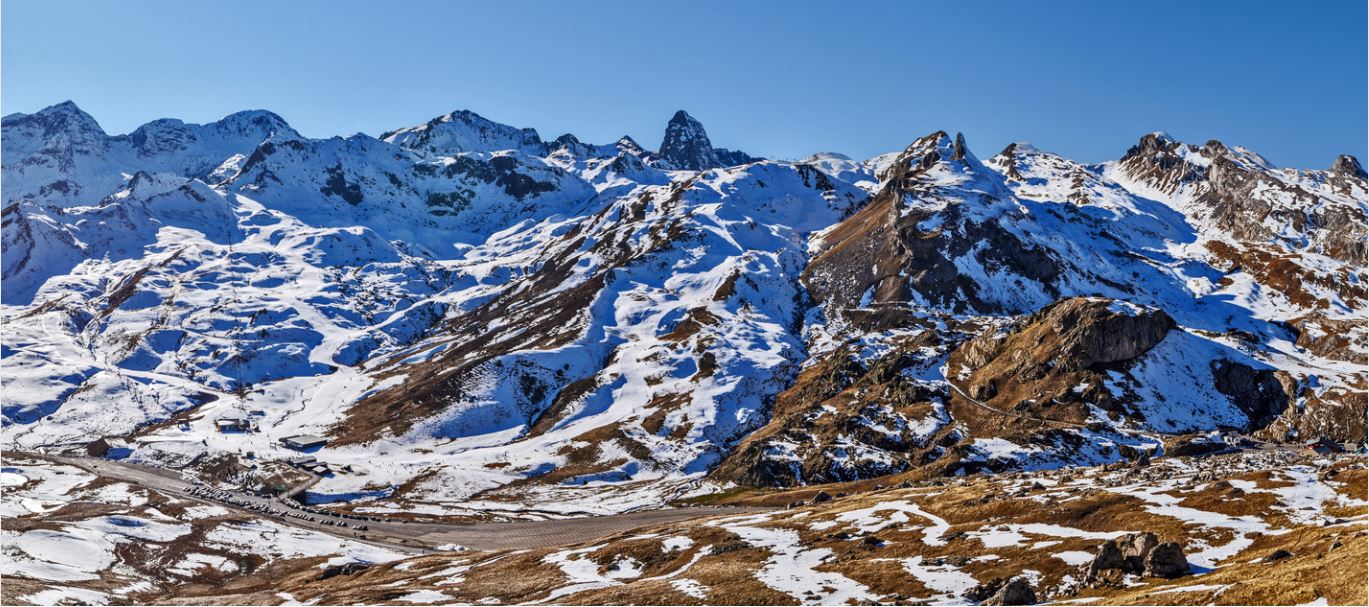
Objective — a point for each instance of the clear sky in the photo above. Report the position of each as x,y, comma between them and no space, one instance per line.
778,79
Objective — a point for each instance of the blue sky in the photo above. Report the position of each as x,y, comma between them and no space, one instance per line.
779,79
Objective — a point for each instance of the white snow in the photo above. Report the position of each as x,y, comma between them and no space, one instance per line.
947,581
791,568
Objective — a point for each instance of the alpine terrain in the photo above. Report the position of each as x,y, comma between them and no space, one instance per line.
244,365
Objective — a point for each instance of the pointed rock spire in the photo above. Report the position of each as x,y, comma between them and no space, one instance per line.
686,145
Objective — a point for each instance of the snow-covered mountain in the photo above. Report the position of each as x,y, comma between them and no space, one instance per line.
481,318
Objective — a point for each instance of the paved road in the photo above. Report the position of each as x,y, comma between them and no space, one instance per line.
416,537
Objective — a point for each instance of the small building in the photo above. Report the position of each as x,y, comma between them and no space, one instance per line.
304,442
109,448
1325,446
232,423
302,460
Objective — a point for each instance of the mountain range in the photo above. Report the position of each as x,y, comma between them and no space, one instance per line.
481,318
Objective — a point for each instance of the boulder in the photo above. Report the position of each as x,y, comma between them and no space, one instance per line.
821,497
1135,547
1003,591
1277,555
1109,557
343,569
1192,446
1138,554
1166,560
1017,591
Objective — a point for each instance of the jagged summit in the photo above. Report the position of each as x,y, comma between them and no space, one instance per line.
1349,166
686,147
938,149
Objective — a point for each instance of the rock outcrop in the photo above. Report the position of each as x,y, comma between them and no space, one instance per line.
1136,554
1059,355
1003,591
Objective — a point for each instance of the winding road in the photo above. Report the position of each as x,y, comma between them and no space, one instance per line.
415,537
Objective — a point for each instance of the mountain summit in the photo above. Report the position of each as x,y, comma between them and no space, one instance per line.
686,147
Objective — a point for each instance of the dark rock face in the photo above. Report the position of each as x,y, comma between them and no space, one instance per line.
1234,206
686,147
1262,393
1157,159
838,405
1136,554
1003,591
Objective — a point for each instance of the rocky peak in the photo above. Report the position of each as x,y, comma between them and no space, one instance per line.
1008,158
236,133
1214,149
686,145
1152,143
628,145
163,135
61,123
569,143
1348,166
938,148
1162,162
464,131
143,185
62,117
256,124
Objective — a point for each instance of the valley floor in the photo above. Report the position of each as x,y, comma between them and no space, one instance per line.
74,535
